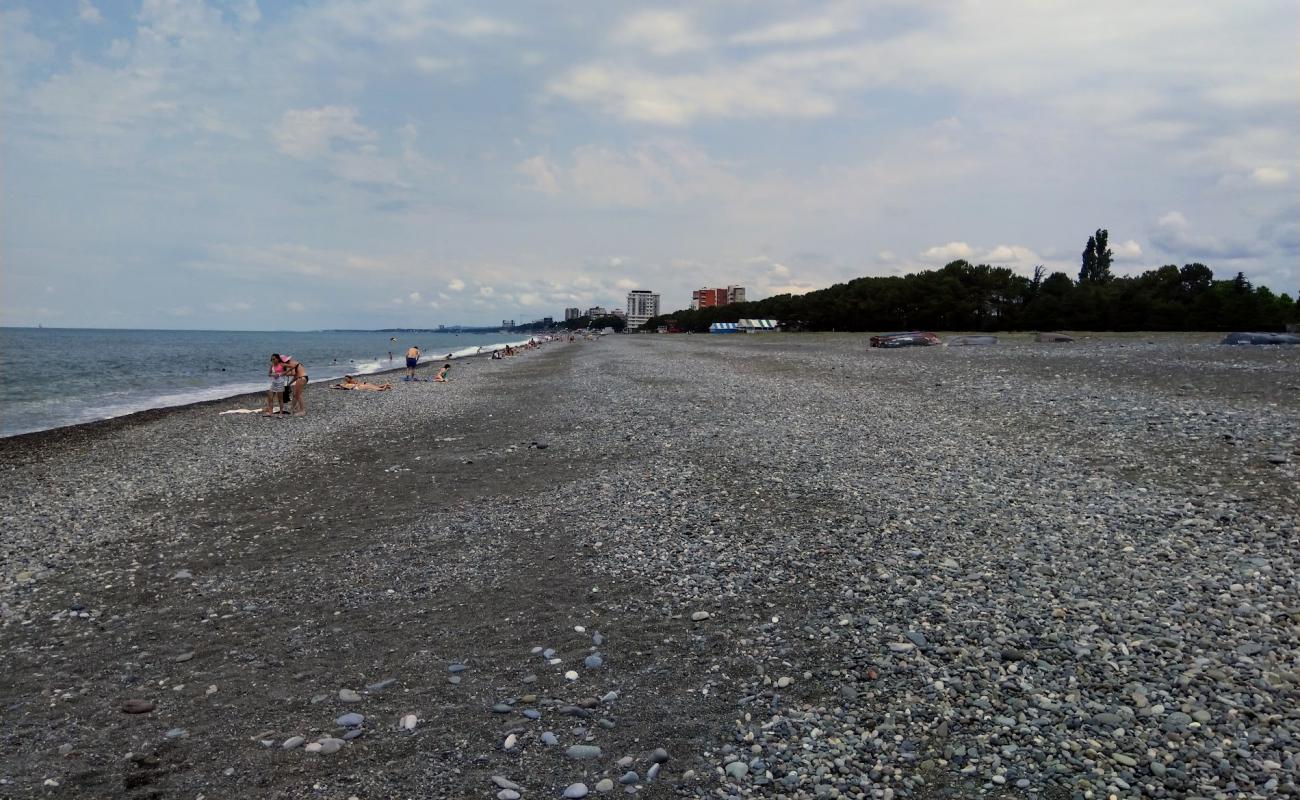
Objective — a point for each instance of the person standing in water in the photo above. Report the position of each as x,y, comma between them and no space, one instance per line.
412,358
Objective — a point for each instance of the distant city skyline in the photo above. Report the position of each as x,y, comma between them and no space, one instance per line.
241,164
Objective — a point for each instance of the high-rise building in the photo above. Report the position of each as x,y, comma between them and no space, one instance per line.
642,304
597,311
572,313
735,294
708,298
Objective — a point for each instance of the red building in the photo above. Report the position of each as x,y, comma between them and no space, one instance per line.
708,298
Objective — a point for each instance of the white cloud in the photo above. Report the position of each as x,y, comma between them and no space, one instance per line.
663,33
311,132
88,13
540,173
951,251
486,291
1127,251
639,95
1270,176
414,297
808,29
455,285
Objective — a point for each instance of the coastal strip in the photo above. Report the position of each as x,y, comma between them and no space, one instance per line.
769,565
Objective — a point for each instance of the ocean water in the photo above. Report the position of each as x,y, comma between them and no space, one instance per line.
50,377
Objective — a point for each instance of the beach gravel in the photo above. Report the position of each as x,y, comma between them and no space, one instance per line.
816,570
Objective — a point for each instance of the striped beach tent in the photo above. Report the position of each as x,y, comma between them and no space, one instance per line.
722,327
752,325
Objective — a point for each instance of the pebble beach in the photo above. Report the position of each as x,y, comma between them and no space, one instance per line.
781,565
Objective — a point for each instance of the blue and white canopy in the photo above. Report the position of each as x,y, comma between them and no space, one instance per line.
758,324
722,327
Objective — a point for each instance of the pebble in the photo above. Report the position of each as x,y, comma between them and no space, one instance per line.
330,744
508,794
629,778
571,675
381,685
176,733
592,661
137,706
292,743
549,739
408,722
737,769
700,616
510,742
349,696
575,791
532,713
352,720
582,752
604,785
503,782
659,756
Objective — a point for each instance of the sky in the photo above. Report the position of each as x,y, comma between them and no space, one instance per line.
246,164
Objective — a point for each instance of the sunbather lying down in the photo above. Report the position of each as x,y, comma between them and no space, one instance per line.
350,382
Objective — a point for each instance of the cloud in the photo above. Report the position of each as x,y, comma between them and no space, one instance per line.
662,33
1127,251
455,285
1174,235
311,132
1270,176
541,174
86,12
944,253
414,297
808,29
638,95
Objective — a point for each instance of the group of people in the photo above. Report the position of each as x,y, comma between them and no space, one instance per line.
288,379
413,361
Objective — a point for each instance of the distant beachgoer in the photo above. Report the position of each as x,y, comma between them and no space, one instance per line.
297,382
351,383
412,358
390,356
278,382
441,377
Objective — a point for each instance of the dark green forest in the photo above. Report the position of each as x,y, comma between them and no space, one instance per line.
978,297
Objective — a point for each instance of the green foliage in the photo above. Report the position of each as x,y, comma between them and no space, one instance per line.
964,296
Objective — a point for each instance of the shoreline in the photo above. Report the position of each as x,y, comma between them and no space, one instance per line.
788,553
485,350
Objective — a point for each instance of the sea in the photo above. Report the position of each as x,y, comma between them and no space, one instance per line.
51,377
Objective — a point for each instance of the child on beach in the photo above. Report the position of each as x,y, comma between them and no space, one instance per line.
441,377
278,381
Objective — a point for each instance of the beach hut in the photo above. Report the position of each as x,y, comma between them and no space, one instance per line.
722,327
757,325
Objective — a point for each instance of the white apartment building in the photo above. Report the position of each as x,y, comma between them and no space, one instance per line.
642,304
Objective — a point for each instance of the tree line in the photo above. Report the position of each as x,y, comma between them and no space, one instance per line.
979,297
